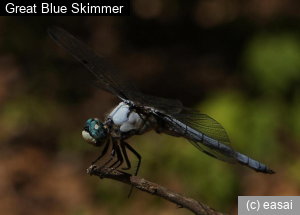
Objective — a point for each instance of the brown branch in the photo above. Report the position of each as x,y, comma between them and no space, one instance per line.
155,189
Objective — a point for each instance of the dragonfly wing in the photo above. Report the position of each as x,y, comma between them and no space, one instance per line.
170,106
206,125
212,152
111,77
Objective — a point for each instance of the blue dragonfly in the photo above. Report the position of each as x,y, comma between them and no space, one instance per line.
138,113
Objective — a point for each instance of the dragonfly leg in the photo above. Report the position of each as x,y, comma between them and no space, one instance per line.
103,152
112,155
136,154
119,159
123,145
125,156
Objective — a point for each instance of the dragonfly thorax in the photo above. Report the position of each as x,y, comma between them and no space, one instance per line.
124,122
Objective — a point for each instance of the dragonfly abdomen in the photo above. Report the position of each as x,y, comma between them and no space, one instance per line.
216,145
253,164
230,153
209,145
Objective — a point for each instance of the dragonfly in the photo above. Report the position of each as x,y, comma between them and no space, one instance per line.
138,113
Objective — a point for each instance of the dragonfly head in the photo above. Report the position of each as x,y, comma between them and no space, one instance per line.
94,132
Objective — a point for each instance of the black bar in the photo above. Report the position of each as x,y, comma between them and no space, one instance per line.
95,8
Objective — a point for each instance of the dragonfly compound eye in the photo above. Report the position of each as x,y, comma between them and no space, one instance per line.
94,132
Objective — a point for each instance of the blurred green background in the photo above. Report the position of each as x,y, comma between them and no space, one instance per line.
237,61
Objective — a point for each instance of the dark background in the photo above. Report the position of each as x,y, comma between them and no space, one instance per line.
237,61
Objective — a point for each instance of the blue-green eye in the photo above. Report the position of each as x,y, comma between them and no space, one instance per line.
94,132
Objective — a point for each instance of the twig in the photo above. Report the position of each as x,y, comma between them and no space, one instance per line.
155,189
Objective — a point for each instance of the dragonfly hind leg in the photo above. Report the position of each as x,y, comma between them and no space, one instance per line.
125,156
125,145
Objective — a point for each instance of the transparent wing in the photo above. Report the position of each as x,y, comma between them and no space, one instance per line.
206,125
110,78
170,106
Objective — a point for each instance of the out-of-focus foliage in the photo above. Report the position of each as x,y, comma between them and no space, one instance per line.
237,61
273,61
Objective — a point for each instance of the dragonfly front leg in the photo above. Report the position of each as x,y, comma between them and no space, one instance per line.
103,152
116,149
112,155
